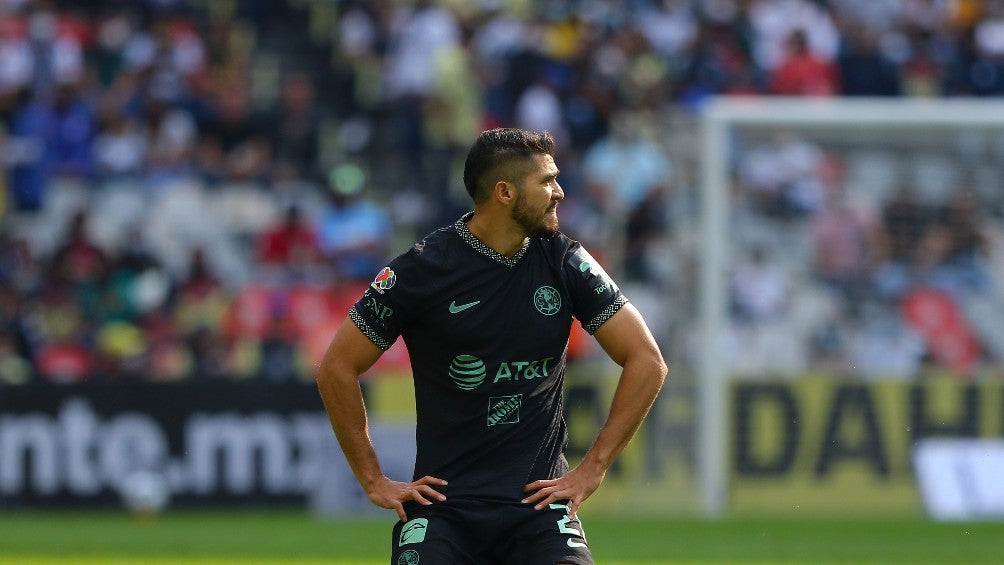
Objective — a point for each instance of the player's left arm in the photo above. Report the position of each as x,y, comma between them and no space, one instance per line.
627,340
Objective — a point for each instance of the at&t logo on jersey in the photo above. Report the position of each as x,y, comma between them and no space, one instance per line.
468,372
384,280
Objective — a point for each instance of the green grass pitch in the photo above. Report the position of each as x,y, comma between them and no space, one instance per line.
273,538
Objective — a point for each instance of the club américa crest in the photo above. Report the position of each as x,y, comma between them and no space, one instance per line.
547,300
409,557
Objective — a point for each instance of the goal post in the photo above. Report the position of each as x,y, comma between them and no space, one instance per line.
719,119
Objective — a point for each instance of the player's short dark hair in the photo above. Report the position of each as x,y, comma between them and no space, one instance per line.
502,154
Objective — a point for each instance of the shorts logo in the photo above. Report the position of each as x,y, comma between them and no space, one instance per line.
504,409
547,300
409,557
467,372
384,280
413,531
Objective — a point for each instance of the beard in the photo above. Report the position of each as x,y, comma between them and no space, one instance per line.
534,222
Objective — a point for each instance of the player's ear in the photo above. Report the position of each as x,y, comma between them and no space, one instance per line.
505,192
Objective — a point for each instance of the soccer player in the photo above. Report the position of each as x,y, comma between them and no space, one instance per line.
485,307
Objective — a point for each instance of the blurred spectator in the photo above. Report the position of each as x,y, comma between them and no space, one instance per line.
452,114
199,309
842,234
670,26
419,37
624,167
122,351
14,368
171,133
289,252
951,253
200,301
278,355
17,65
55,55
782,177
20,269
71,133
803,73
931,265
776,23
169,357
294,125
63,350
963,219
718,64
981,68
354,231
234,131
25,149
78,260
496,46
931,62
120,149
538,108
646,222
864,70
903,220
15,342
969,246
137,279
46,139
759,287
209,353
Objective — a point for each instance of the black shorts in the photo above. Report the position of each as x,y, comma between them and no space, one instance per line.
467,532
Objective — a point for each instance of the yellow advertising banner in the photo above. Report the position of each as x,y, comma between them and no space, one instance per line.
824,445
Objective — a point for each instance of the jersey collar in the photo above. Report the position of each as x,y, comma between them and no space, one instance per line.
479,246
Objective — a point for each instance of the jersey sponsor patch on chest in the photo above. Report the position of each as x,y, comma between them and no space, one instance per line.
504,409
469,372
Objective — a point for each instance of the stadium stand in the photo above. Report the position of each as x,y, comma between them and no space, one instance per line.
174,171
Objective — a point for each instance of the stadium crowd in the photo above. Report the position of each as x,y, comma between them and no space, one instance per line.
197,189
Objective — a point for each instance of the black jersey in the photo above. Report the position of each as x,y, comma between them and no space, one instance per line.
487,336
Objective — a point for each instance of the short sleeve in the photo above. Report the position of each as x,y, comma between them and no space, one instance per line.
380,313
595,296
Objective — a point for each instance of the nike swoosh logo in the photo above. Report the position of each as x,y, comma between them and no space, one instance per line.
454,309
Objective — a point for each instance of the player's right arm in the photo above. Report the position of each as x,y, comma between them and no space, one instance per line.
349,355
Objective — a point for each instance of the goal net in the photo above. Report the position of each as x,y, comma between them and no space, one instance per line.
851,294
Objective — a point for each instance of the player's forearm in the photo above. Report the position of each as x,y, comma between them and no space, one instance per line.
639,384
343,401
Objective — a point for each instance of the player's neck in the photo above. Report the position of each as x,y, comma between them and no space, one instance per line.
501,234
